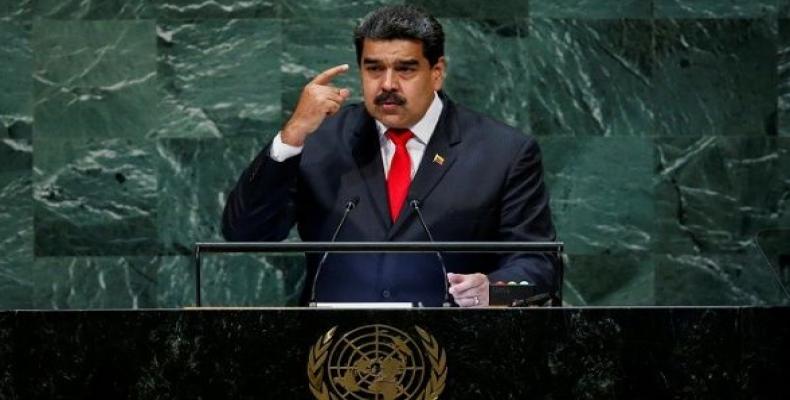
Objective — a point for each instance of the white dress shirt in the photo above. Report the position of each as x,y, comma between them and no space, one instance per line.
423,130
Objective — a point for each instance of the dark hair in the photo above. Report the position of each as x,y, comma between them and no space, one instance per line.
402,22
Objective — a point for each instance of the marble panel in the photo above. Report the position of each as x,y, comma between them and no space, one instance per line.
232,280
95,197
591,9
332,8
16,10
95,282
699,279
16,223
599,207
591,77
220,78
713,197
715,194
475,9
772,244
94,79
175,282
783,71
217,9
609,280
194,179
162,282
16,100
311,46
714,8
715,77
251,280
488,67
674,228
94,9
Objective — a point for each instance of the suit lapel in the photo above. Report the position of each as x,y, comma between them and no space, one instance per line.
366,150
432,168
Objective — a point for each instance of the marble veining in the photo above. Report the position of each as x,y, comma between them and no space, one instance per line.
663,126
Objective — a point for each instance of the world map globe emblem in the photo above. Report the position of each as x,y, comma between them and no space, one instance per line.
377,362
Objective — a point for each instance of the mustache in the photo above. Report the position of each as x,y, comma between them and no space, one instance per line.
389,97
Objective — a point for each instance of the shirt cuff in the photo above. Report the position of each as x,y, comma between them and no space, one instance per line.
280,151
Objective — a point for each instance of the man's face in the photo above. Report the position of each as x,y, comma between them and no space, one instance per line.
397,81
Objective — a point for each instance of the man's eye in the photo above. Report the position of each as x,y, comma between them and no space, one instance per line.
405,69
374,68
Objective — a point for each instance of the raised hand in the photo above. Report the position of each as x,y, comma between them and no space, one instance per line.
318,100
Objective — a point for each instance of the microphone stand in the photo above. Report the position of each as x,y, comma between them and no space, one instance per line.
349,206
415,204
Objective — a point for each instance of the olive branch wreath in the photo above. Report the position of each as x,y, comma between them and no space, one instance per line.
315,363
438,359
436,356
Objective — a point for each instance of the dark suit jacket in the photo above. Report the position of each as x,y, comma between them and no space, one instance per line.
489,188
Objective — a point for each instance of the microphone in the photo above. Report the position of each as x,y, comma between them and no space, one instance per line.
349,206
415,204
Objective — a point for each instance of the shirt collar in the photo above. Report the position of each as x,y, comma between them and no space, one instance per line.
423,129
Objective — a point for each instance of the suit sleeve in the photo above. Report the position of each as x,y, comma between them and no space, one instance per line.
261,207
525,216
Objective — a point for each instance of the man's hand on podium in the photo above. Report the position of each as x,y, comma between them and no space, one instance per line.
469,290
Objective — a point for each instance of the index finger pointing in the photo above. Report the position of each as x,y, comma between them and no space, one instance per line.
326,77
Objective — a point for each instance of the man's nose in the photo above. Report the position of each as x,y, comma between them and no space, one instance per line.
390,80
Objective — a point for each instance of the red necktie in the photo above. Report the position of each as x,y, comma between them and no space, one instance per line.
399,177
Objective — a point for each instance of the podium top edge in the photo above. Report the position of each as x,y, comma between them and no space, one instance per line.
210,247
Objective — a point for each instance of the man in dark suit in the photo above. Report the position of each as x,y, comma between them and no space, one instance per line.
476,179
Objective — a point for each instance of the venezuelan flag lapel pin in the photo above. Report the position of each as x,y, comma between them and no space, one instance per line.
438,159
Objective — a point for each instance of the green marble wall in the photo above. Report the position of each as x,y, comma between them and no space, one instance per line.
665,126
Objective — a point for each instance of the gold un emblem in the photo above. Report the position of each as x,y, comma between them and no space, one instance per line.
376,362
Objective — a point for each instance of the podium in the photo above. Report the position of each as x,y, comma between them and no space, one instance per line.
555,249
294,353
418,353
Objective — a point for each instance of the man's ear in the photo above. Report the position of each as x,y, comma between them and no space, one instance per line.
437,73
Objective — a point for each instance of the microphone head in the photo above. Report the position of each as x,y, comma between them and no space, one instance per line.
352,203
415,203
